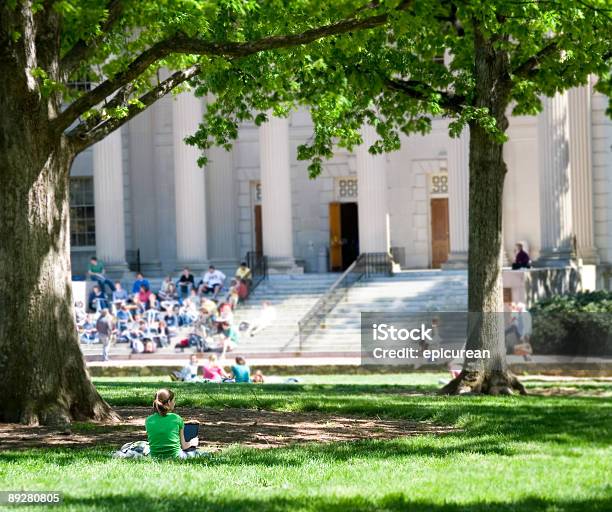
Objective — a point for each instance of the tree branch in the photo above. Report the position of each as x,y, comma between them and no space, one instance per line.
181,44
232,49
423,92
83,49
118,100
529,67
89,100
88,133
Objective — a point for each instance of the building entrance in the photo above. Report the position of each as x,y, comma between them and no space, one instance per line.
343,235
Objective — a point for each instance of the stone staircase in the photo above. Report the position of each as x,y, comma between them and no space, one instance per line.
404,292
292,296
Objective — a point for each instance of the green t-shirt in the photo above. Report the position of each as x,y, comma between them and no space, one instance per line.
232,334
164,434
241,372
98,268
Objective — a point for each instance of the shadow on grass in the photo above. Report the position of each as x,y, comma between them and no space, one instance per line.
489,425
387,503
294,455
450,446
553,419
365,450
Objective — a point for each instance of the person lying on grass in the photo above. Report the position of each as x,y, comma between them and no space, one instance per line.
166,430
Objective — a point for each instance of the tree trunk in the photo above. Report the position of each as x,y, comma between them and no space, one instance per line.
487,173
43,378
43,374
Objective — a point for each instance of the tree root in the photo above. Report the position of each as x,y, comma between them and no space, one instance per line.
88,406
482,382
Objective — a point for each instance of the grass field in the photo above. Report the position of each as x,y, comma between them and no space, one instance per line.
546,452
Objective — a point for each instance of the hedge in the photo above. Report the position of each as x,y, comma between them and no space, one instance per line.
576,325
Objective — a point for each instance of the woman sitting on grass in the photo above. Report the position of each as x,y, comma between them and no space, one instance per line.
213,371
165,430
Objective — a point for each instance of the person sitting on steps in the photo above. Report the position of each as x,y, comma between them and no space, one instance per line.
140,281
521,260
120,295
96,274
186,283
212,281
243,272
97,300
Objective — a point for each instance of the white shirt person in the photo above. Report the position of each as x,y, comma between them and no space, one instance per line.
212,281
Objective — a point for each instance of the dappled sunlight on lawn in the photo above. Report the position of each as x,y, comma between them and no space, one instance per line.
336,446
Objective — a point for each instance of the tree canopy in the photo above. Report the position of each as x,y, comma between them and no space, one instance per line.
135,52
415,62
419,65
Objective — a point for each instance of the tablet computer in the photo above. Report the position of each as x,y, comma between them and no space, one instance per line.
191,430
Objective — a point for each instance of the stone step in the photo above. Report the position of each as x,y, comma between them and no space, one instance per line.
409,292
293,296
306,291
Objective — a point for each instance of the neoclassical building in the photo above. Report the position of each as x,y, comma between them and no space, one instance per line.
141,190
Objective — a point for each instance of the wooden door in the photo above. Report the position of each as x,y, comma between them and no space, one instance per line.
335,237
258,230
440,241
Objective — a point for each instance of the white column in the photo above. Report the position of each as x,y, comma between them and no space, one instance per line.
276,194
582,172
602,179
143,193
222,209
108,199
372,196
189,184
555,182
458,200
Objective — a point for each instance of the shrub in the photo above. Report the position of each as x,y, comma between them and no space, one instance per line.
577,325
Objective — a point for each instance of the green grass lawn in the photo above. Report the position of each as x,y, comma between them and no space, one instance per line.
534,453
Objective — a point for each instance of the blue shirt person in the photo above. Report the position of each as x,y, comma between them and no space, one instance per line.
140,281
241,371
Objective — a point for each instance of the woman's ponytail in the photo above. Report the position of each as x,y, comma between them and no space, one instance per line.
161,404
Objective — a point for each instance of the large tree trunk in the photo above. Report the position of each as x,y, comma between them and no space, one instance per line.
43,378
43,375
487,173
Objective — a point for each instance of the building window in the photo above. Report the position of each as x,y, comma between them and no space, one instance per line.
346,189
82,212
80,85
438,185
83,82
255,192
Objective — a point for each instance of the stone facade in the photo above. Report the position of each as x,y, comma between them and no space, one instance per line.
399,217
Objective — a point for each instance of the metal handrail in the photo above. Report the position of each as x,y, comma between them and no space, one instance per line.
365,265
258,263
